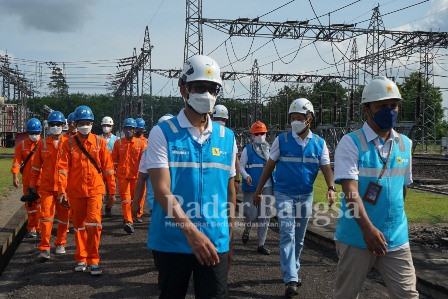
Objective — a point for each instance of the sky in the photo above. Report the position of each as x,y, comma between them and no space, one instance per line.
88,37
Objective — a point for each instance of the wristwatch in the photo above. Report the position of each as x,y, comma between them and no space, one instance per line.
332,188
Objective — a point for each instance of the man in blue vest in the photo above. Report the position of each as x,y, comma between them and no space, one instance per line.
297,155
191,163
373,165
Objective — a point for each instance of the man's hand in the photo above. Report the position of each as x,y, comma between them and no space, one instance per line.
202,247
230,258
249,181
237,187
15,180
331,197
62,198
135,207
256,198
111,200
376,243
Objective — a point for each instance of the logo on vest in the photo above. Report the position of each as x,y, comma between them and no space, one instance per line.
216,151
401,160
177,150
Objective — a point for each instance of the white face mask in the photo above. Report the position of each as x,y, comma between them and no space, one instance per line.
222,123
75,130
260,138
85,130
55,130
107,130
298,126
202,102
34,138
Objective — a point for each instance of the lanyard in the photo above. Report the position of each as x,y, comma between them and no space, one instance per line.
381,158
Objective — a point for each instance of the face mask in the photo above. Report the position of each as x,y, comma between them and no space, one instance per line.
298,126
138,134
34,138
55,130
75,130
85,130
107,130
202,102
128,134
222,123
260,138
385,118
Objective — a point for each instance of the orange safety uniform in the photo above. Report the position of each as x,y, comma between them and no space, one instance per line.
84,186
126,156
44,167
21,152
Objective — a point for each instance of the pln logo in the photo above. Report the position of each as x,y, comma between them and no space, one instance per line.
216,151
400,160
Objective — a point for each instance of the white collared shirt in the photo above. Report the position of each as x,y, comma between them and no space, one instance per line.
243,162
346,155
275,148
157,150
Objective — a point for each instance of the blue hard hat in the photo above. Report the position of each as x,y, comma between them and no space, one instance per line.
71,117
83,113
130,122
56,116
33,125
140,123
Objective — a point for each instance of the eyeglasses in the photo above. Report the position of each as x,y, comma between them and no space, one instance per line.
55,124
256,134
203,88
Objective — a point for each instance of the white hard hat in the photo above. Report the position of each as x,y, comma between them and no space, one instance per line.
221,112
165,117
301,105
200,68
107,120
380,89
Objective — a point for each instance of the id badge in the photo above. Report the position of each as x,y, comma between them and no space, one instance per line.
372,193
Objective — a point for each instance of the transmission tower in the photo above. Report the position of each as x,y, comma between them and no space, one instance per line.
375,63
146,84
354,109
255,93
193,29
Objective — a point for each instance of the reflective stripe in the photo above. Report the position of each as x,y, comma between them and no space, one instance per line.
197,165
115,163
109,172
290,159
63,172
362,140
33,211
98,140
78,229
375,172
71,142
120,141
127,200
46,220
138,142
18,165
93,224
35,168
222,132
254,166
311,160
401,143
172,126
286,136
216,165
45,144
23,144
62,222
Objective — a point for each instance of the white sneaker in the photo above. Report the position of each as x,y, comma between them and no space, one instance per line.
95,270
60,249
44,255
80,267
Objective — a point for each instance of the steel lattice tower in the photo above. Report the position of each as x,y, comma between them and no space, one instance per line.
193,29
146,85
376,63
354,109
255,93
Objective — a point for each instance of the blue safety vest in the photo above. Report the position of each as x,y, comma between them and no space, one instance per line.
199,179
388,214
254,168
297,167
111,142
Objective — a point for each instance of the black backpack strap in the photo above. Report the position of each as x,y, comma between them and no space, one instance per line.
22,167
81,147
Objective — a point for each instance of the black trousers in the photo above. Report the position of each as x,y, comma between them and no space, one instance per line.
175,270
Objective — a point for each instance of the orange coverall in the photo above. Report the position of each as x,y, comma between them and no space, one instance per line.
21,152
44,167
84,186
126,156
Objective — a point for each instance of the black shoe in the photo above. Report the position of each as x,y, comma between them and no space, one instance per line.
108,212
245,237
129,228
291,289
299,283
263,250
138,220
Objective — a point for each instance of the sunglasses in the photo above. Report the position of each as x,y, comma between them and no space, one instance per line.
256,134
204,88
55,124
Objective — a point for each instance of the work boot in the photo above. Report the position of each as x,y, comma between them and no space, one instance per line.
245,237
108,212
60,249
31,234
263,250
44,255
95,270
80,267
138,220
291,289
129,227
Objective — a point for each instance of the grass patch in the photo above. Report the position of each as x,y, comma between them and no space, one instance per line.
420,206
7,150
5,176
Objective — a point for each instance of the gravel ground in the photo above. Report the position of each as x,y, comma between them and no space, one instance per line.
430,235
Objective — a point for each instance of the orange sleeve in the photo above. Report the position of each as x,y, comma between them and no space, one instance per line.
15,169
107,166
36,165
62,166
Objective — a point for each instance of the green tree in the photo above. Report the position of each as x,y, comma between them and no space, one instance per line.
57,84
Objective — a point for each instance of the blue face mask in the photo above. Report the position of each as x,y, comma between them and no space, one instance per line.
385,118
